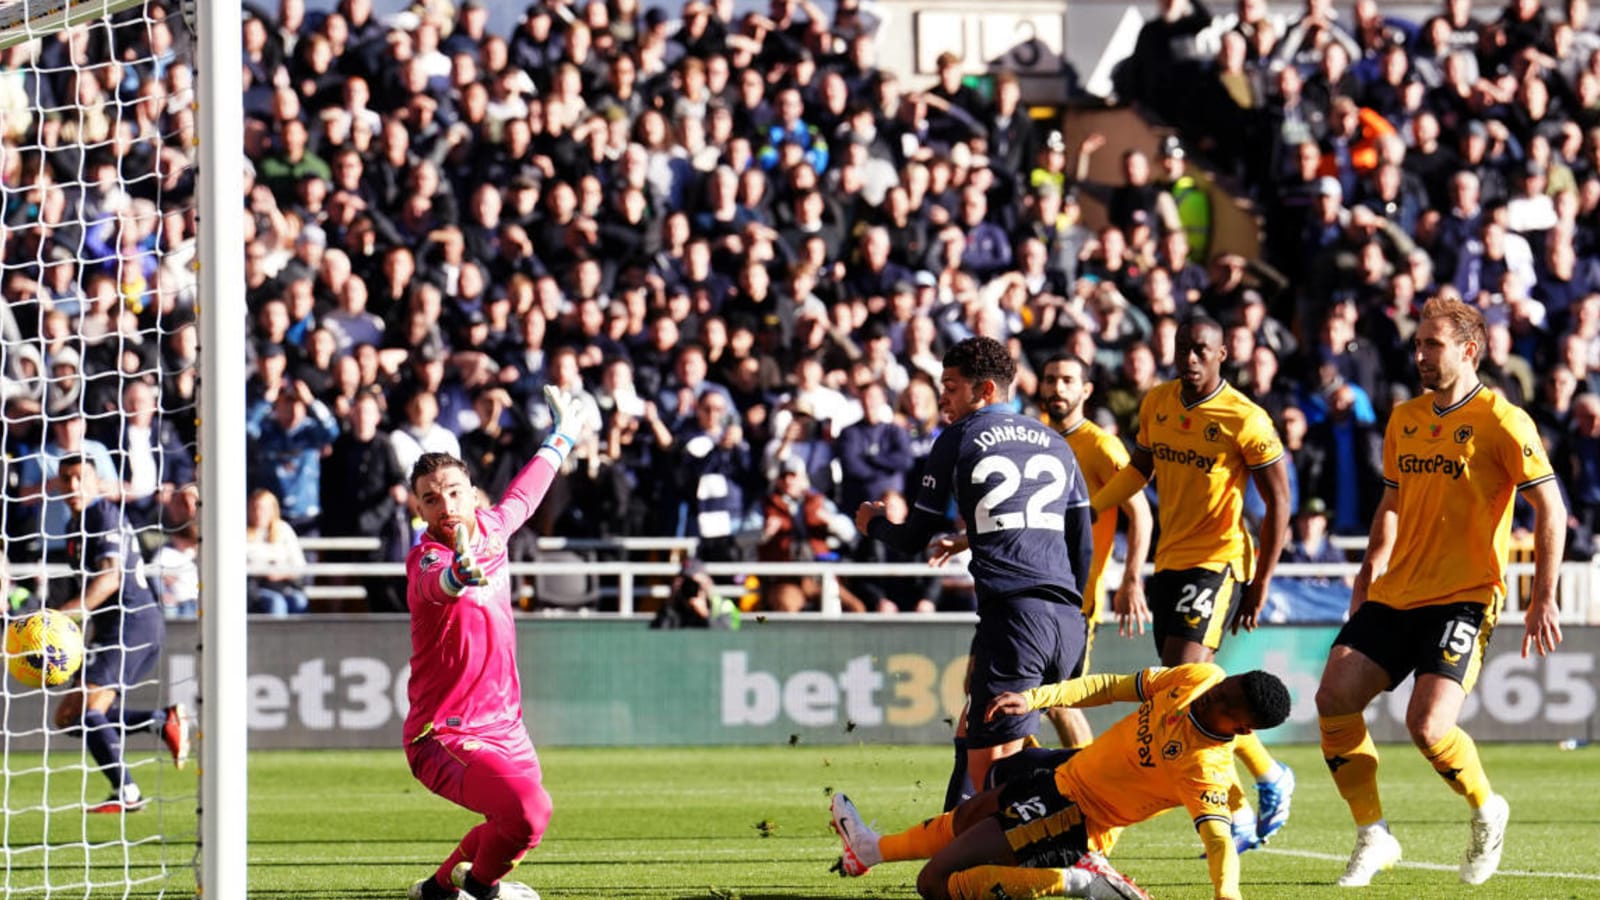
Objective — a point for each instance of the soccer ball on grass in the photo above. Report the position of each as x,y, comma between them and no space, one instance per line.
43,648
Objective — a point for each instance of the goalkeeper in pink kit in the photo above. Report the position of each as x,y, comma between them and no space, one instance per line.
464,736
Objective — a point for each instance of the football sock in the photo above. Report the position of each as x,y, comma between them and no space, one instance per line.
960,786
433,890
920,841
1455,758
464,852
478,890
105,745
1351,756
1015,882
137,719
1254,755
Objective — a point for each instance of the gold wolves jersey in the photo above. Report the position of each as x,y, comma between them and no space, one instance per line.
1100,456
1154,759
1203,453
1456,471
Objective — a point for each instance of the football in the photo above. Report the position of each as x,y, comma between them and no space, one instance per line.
43,649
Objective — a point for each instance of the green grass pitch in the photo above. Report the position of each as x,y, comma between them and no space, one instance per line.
751,823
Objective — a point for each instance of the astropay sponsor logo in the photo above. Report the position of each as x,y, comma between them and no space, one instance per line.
1168,453
1438,464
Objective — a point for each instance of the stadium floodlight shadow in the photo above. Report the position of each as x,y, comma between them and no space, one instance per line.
564,590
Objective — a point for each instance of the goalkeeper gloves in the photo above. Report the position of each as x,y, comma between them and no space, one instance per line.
565,421
463,571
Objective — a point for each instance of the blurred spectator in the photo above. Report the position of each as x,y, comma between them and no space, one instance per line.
151,457
36,477
873,453
271,544
175,571
892,594
1310,543
419,431
801,525
288,437
364,492
1343,463
695,602
709,477
1577,461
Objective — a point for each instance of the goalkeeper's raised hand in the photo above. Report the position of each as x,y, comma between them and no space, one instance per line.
463,571
566,421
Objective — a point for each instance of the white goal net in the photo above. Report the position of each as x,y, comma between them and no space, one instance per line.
99,374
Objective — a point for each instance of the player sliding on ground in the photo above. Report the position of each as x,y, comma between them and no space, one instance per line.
1043,835
464,735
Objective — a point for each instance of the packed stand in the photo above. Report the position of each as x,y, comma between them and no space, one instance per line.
744,247
97,335
1392,161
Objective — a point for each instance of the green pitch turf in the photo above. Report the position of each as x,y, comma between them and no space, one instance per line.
751,823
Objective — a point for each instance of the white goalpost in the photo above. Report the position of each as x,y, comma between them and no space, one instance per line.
224,738
122,286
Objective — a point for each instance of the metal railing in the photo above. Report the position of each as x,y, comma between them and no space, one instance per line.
628,581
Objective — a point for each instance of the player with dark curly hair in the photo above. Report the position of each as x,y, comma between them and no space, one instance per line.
1026,509
1045,834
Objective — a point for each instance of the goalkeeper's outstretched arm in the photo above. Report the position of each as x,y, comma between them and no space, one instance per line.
528,488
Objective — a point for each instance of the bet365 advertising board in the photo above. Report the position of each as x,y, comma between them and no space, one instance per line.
341,682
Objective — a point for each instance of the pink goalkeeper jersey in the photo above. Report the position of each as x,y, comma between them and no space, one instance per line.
464,649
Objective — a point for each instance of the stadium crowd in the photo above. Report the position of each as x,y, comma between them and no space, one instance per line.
743,246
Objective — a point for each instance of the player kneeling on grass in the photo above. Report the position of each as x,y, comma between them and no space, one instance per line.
464,736
1043,835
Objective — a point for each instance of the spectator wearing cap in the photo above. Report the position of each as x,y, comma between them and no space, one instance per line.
288,436
1189,198
694,602
1325,224
269,357
1310,544
1050,162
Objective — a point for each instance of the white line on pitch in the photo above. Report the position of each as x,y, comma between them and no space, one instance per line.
1436,867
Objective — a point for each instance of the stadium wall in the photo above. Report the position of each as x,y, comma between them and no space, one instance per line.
340,682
